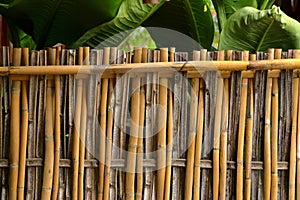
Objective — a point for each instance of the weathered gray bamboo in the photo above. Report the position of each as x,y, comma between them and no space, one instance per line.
15,130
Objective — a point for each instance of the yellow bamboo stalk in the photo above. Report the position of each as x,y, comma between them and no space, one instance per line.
223,141
241,135
134,131
24,127
57,129
274,147
139,186
199,135
103,117
82,148
14,131
49,134
188,190
267,142
76,133
161,136
169,147
249,129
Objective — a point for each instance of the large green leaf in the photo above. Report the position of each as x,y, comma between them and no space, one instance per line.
189,17
53,21
225,8
132,14
256,30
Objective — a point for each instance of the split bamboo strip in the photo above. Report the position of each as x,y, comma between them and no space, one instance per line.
33,90
223,140
57,128
161,136
297,55
82,145
241,134
24,127
292,169
191,144
134,130
77,123
249,135
170,135
103,118
109,132
14,145
49,134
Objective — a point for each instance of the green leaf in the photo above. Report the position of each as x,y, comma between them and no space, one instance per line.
255,30
53,21
189,17
225,8
132,14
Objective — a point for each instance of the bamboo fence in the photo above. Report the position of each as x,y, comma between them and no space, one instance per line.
149,124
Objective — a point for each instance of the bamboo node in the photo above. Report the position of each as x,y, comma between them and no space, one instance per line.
100,192
274,172
46,189
14,165
239,163
129,194
21,187
49,138
247,179
132,145
15,90
216,149
197,165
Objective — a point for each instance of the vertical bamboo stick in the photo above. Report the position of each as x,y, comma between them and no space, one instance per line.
103,118
170,135
249,130
188,190
24,127
161,136
241,134
223,141
109,132
134,130
267,144
32,106
49,135
57,128
14,130
76,133
199,134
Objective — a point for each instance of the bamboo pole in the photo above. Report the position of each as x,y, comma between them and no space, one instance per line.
169,136
103,118
49,134
188,190
24,127
249,130
161,136
14,130
134,130
241,134
223,140
32,111
57,129
77,123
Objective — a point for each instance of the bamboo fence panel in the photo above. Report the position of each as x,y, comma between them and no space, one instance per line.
198,130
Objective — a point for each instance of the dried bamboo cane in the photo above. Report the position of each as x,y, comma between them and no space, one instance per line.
267,142
6,116
24,127
57,129
161,136
248,145
188,190
103,115
241,134
49,134
82,148
76,133
32,109
170,135
199,135
14,130
223,140
134,130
